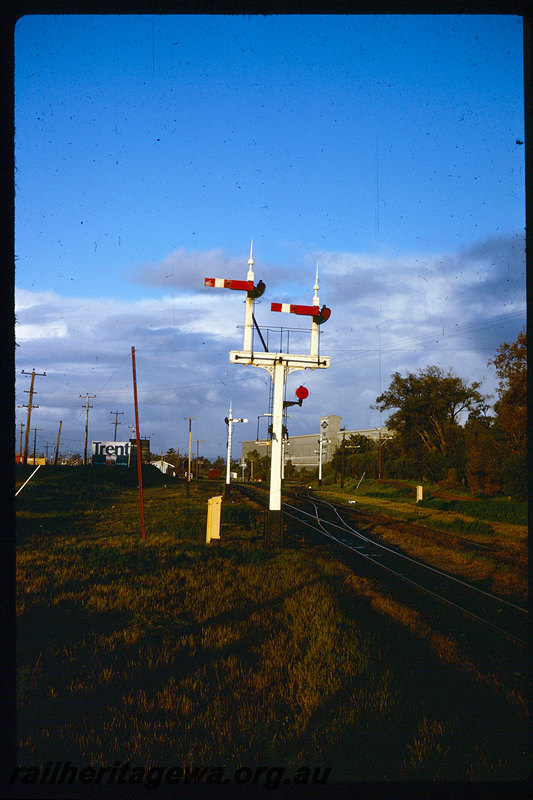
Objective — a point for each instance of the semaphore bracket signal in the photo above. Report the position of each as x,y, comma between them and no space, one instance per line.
279,365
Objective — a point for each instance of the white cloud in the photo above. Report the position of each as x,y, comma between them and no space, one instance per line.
388,315
50,330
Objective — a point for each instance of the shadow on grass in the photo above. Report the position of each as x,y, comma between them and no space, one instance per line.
470,725
57,648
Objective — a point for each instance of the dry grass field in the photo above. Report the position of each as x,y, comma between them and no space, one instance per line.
471,539
169,651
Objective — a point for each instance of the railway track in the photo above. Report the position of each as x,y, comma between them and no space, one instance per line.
328,522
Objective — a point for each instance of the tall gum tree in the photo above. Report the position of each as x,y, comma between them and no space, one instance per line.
429,407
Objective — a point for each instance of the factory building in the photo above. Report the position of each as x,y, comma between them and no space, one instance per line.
302,450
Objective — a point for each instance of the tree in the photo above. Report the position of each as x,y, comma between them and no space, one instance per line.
483,456
429,405
290,470
511,408
359,454
356,441
219,463
261,465
511,414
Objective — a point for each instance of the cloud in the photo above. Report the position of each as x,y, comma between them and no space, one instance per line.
389,314
184,270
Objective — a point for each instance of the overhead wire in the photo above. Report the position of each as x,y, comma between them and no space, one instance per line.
409,345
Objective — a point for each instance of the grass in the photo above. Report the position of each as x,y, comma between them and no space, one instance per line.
480,546
494,509
171,651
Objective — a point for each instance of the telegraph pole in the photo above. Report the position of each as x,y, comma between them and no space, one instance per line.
138,445
35,441
87,407
20,450
116,422
189,460
381,442
197,456
57,446
30,406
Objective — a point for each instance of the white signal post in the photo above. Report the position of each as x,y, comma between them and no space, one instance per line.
249,304
321,443
230,422
279,365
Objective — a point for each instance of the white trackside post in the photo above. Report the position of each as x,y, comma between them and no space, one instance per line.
278,377
228,454
230,421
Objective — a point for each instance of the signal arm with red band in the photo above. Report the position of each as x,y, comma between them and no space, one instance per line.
224,283
289,308
312,311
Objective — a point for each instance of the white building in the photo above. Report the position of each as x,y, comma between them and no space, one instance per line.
302,450
164,466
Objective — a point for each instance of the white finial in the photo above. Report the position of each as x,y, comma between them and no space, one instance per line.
315,287
250,275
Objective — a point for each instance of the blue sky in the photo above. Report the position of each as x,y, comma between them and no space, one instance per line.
149,150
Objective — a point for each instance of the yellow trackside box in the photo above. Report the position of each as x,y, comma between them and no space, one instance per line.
214,505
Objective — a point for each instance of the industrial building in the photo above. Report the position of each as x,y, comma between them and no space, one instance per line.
302,450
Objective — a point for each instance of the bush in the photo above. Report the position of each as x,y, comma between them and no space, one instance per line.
451,481
514,476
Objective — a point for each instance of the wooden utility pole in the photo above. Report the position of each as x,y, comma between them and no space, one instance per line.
343,446
197,457
30,406
87,407
381,442
57,446
116,422
138,444
189,460
20,450
35,441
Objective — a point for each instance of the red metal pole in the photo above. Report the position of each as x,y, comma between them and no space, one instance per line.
138,439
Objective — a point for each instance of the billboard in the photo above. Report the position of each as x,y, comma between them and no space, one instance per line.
111,453
145,451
